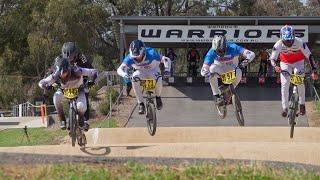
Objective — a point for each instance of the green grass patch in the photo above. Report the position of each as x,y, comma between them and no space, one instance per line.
37,136
2,175
132,170
318,106
43,136
110,123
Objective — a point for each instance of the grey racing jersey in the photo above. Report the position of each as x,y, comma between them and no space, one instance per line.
74,81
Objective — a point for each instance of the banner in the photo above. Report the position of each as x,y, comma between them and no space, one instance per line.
204,34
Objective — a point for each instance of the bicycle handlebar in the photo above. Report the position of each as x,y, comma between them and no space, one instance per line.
215,73
288,73
136,78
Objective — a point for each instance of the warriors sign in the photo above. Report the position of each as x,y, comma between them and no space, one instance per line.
204,34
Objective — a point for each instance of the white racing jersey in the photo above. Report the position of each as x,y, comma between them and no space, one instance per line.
297,52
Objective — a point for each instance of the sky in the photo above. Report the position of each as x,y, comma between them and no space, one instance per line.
304,1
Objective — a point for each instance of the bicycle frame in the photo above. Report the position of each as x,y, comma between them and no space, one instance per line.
150,107
75,132
293,106
224,88
228,98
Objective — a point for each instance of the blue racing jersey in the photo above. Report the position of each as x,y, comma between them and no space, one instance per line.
151,60
233,51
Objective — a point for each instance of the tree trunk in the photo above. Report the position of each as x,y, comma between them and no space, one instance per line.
2,7
169,7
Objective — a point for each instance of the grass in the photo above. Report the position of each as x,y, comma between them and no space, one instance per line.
133,170
111,123
37,136
318,106
42,136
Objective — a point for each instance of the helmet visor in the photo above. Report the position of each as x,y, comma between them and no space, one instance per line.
288,43
136,53
220,52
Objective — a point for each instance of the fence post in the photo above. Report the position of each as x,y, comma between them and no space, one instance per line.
20,110
43,111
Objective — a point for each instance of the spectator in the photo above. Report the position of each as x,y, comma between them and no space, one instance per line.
127,81
193,58
170,54
244,70
264,57
128,85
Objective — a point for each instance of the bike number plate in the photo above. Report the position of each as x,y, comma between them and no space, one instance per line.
296,79
71,93
149,84
228,77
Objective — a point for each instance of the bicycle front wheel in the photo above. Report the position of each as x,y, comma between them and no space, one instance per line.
82,140
151,119
293,108
72,125
238,109
222,110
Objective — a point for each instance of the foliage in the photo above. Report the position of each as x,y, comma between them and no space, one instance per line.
32,31
11,91
104,106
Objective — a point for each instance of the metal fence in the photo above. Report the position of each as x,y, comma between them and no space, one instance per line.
112,78
25,109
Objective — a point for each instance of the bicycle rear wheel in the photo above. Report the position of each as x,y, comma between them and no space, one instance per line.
238,109
151,119
293,107
72,125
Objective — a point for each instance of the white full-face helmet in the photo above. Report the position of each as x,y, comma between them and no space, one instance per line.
219,44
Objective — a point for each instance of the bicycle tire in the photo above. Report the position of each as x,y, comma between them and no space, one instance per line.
72,124
238,109
151,119
82,140
293,107
222,110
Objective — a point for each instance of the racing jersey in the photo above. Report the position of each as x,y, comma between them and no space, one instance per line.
233,52
151,60
75,80
297,52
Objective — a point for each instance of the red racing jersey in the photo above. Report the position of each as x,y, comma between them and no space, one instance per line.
297,52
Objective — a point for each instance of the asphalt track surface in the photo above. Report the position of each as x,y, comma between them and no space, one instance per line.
193,106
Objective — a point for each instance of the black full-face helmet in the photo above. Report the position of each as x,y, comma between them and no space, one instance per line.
69,50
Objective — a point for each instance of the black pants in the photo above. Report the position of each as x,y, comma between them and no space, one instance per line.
263,68
192,70
128,88
87,113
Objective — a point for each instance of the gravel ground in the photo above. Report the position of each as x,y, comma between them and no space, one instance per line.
30,159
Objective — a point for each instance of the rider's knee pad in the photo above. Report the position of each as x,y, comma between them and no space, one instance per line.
82,107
